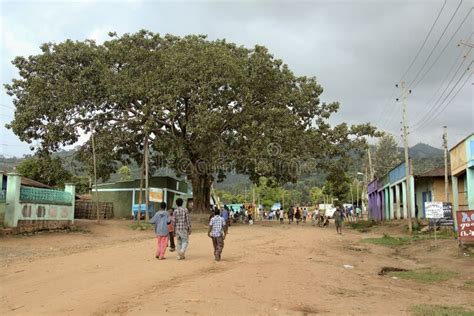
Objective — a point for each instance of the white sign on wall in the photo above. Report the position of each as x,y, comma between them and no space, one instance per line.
434,210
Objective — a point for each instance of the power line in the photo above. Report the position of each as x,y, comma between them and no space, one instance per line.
436,45
424,42
433,108
449,102
443,50
424,124
7,106
461,57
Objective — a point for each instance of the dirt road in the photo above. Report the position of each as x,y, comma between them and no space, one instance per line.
265,270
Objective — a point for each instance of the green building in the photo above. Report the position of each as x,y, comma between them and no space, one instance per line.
125,194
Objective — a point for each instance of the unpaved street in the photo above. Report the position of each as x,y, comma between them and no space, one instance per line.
265,270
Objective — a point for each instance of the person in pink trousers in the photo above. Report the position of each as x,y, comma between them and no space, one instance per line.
161,219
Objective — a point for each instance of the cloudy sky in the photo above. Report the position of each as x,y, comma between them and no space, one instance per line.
358,50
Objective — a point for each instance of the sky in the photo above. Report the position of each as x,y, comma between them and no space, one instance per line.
357,50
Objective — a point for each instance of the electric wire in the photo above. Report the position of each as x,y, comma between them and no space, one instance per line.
435,104
434,116
436,45
442,51
447,104
424,42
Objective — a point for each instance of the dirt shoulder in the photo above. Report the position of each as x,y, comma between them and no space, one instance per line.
266,270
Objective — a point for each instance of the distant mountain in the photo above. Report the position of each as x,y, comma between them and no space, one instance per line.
421,150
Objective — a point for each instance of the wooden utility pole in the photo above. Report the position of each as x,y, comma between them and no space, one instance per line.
147,188
140,200
95,177
445,145
404,95
371,167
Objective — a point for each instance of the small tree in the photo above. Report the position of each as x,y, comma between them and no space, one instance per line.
125,173
45,169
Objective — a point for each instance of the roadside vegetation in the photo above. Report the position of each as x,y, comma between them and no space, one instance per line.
440,310
425,275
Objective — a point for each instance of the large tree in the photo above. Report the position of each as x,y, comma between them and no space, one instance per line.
203,107
387,155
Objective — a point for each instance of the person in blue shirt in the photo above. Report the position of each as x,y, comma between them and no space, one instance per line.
225,216
161,219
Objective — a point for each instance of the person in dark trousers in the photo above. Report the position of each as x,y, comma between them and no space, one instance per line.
171,231
338,220
225,216
217,233
290,215
298,216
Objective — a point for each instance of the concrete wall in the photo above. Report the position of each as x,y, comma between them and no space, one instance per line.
27,212
2,211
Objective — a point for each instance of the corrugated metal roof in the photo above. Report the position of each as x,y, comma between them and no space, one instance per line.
32,183
436,172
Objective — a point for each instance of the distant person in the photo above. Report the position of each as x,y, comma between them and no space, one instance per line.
297,216
358,211
338,220
305,214
182,228
290,215
217,234
278,214
161,219
225,216
171,231
282,216
314,217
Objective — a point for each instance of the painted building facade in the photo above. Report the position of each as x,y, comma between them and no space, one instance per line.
125,194
387,196
430,187
462,170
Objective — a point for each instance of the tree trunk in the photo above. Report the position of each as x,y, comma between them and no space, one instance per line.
201,193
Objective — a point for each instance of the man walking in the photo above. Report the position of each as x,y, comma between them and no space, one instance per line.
290,215
182,228
217,234
225,216
305,214
338,220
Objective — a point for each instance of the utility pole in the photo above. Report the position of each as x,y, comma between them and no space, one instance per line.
371,167
95,177
404,95
445,145
147,188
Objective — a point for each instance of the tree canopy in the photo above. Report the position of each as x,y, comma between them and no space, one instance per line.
45,169
204,107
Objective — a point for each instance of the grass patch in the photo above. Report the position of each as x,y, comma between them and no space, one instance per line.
440,310
362,226
388,240
425,275
141,226
468,286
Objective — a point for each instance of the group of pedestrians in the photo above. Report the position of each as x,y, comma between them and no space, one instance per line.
177,223
171,224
